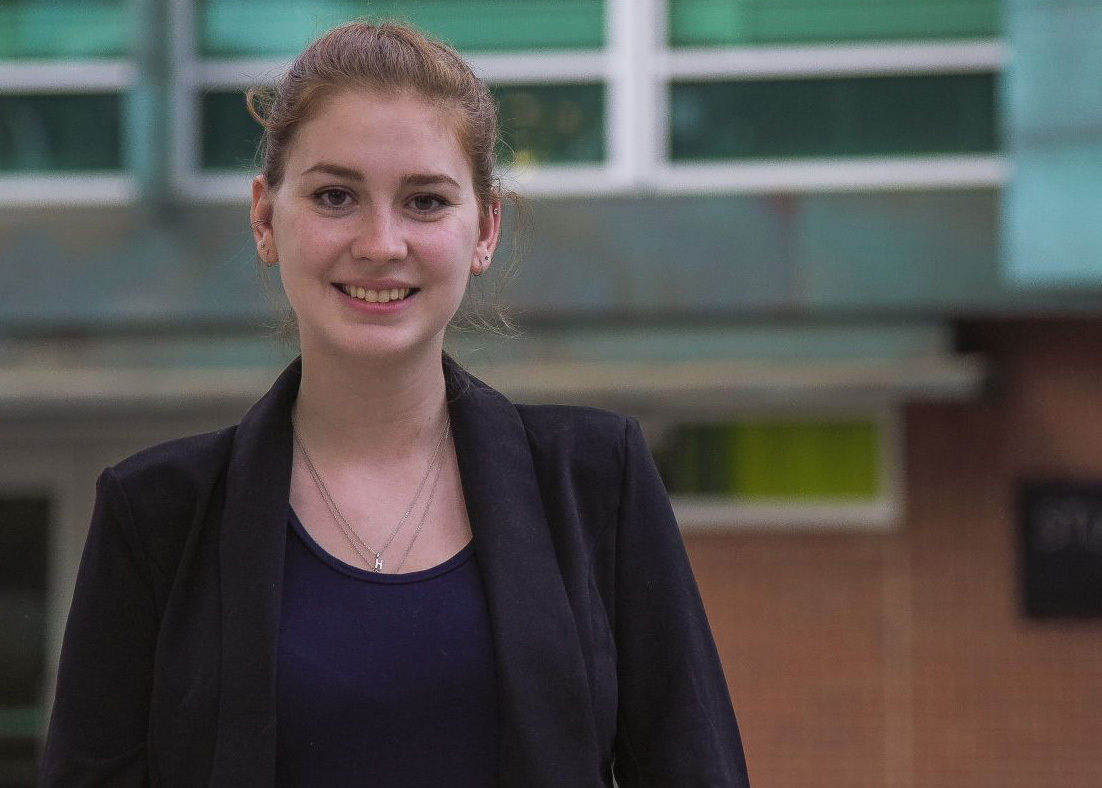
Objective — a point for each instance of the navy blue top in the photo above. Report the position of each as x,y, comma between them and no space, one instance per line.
383,679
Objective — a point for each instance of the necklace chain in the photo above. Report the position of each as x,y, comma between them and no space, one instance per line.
375,562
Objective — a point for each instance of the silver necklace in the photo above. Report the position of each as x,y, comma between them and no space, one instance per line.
350,534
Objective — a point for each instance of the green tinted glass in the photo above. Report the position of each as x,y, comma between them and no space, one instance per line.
867,116
229,134
552,124
44,133
694,23
548,124
280,28
64,28
774,460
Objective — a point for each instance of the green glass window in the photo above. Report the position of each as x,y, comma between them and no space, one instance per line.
64,28
46,133
698,23
541,124
809,461
229,135
866,116
24,526
280,28
552,124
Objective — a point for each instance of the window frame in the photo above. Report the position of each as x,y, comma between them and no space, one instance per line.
62,187
637,66
709,513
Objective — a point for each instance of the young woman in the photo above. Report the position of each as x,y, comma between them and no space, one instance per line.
387,574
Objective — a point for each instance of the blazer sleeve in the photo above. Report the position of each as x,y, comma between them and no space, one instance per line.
99,723
676,725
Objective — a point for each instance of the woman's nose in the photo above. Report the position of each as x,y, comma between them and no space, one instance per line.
379,238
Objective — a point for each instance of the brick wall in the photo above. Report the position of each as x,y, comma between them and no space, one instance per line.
903,659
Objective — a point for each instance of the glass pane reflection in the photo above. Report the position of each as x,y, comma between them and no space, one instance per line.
57,132
541,124
281,28
867,116
552,124
64,29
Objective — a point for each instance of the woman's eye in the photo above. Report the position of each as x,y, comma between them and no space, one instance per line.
333,198
426,203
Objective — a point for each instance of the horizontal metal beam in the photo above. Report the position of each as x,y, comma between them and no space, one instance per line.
669,390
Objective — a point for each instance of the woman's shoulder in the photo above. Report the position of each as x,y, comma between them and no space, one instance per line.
573,421
592,440
191,463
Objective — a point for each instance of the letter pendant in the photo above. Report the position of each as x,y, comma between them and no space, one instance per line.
378,562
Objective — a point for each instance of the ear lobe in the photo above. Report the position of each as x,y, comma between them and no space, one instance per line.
489,232
260,216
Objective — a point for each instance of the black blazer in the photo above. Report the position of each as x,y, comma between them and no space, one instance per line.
605,660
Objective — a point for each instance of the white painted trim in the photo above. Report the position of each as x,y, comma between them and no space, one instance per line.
893,458
543,181
55,189
704,517
836,175
689,389
69,390
658,94
543,67
759,177
65,76
497,69
633,28
832,175
560,180
237,74
710,389
218,188
832,61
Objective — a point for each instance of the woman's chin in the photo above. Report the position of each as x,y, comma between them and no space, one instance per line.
377,344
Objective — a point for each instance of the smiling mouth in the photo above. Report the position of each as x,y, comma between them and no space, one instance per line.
378,296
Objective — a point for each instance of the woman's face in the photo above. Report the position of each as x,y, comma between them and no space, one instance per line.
376,226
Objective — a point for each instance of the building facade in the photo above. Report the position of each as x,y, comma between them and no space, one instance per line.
843,259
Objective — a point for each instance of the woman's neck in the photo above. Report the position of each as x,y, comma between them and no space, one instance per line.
355,411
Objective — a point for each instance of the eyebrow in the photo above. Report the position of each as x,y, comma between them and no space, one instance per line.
427,179
335,169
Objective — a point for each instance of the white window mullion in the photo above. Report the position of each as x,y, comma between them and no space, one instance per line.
51,189
66,76
794,62
186,118
539,67
896,173
632,29
658,96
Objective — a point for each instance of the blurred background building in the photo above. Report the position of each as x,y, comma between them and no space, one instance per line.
843,258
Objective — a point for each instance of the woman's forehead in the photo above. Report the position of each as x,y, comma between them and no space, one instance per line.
362,127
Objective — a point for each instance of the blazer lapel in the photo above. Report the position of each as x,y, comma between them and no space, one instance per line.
548,735
253,540
547,728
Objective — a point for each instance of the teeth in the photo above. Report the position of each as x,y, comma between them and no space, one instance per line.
376,296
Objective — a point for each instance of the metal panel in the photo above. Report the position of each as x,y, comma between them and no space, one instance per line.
1053,234
630,261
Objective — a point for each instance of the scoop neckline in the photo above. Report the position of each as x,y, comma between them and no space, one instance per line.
367,575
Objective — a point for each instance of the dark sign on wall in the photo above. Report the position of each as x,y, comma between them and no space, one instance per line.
1061,548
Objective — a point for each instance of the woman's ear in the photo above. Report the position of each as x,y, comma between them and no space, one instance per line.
489,231
260,216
